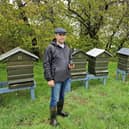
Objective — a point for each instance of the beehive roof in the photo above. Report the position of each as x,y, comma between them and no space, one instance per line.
124,51
14,51
96,52
78,51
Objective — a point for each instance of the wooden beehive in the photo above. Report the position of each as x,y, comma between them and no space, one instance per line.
79,59
19,67
98,61
123,59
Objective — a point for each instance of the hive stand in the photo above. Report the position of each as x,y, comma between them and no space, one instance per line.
5,89
91,77
123,73
79,79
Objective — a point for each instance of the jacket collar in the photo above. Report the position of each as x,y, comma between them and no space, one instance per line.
55,44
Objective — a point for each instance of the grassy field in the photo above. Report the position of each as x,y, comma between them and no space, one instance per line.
99,107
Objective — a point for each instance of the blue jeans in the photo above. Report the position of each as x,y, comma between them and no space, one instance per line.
58,91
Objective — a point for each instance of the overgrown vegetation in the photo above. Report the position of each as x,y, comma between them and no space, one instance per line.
90,23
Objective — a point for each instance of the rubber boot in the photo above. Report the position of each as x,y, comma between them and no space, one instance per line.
53,114
60,111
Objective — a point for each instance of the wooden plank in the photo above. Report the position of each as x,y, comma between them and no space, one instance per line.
20,76
101,74
123,64
97,70
15,67
101,71
123,67
79,77
123,60
97,67
78,73
123,56
98,61
11,63
18,85
20,81
79,67
80,62
78,70
98,64
93,71
19,71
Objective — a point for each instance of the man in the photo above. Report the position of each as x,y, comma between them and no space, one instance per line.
57,58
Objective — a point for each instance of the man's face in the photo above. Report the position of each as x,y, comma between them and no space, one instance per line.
60,38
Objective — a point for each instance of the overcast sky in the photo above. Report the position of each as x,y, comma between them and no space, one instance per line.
11,1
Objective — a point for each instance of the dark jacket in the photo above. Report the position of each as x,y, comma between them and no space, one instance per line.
56,60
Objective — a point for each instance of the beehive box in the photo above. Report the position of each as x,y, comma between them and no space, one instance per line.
98,61
123,59
19,67
79,58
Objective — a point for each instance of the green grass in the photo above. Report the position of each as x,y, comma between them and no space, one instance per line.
99,107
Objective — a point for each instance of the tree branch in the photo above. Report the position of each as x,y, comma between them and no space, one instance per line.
109,43
79,17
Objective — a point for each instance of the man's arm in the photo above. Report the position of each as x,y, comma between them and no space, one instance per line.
47,66
71,65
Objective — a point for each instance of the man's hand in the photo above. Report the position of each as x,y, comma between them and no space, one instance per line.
51,83
71,66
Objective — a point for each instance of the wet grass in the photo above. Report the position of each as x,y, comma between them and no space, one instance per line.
99,107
